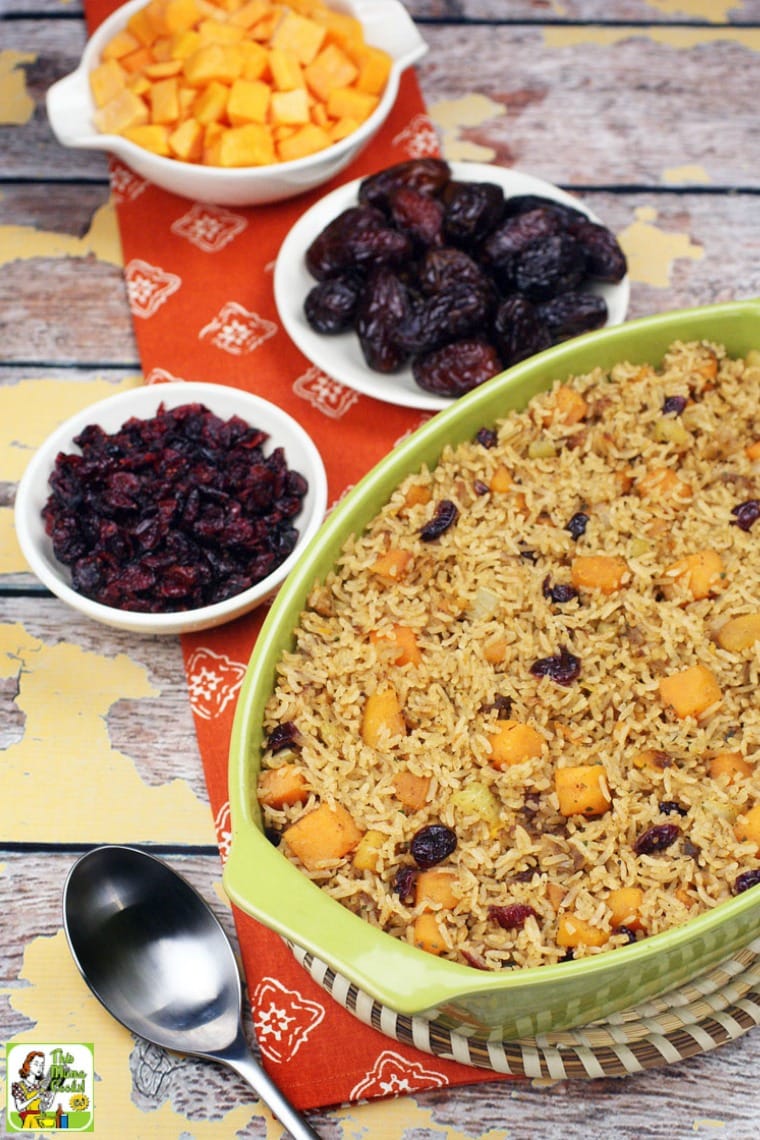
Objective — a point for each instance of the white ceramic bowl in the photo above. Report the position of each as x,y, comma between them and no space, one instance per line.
300,453
70,110
340,356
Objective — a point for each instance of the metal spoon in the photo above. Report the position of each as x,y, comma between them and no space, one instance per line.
156,957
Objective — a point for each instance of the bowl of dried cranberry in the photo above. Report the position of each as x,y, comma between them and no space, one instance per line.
170,507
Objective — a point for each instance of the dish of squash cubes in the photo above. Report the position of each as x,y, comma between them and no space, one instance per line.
231,85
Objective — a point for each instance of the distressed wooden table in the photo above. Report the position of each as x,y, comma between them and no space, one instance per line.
645,108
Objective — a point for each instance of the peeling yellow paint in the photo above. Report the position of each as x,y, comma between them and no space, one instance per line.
102,241
31,409
11,559
651,251
451,116
713,10
62,1008
16,104
681,38
395,1116
683,174
65,693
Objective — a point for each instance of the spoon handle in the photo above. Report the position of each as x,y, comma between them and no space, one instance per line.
240,1058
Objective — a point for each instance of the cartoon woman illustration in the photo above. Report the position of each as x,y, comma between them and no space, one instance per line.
31,1093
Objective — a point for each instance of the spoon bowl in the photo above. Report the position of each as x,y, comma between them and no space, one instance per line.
156,957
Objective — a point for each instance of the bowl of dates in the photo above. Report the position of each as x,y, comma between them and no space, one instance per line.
170,507
418,283
278,129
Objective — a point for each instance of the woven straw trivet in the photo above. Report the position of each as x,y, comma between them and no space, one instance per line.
713,1009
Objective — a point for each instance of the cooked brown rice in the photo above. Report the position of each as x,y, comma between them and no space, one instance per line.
479,602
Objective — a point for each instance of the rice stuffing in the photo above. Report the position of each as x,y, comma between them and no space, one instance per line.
520,720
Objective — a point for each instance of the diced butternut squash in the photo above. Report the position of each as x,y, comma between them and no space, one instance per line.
501,480
210,105
392,565
512,742
308,139
284,785
495,650
730,764
164,101
247,145
690,692
290,107
747,827
411,789
329,69
625,904
367,853
107,80
406,650
125,110
603,572
582,790
573,932
417,494
701,573
349,102
739,633
299,35
221,63
567,407
663,483
436,888
122,43
151,136
322,835
652,758
382,718
427,934
752,450
248,102
374,70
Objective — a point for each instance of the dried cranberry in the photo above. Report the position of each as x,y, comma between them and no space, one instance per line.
656,838
487,437
674,405
480,488
577,525
282,736
501,705
746,514
746,880
513,916
404,884
273,836
630,935
446,514
562,667
670,807
432,844
528,555
559,594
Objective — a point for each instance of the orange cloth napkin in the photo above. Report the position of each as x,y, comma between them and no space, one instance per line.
199,281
